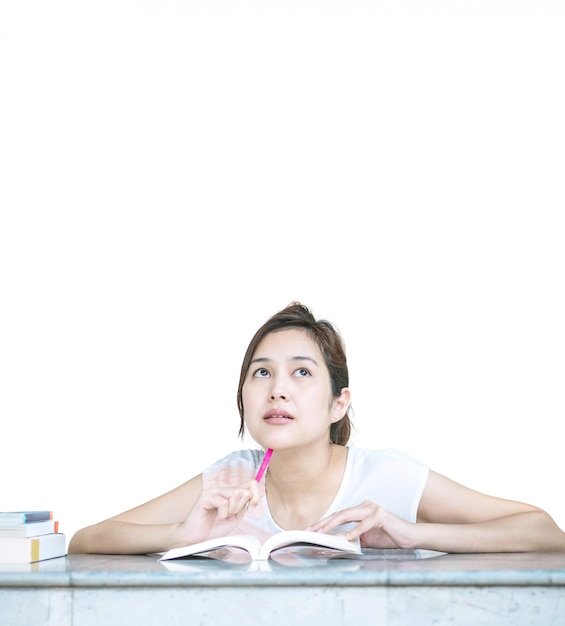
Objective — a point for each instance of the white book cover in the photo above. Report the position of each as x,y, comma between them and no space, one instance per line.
32,549
262,551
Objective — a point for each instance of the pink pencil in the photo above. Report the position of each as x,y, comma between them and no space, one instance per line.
264,464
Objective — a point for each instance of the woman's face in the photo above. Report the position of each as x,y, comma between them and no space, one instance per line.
287,397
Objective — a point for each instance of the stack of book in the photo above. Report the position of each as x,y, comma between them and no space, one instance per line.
30,536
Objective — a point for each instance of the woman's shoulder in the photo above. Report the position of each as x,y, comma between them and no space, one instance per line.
382,456
240,457
234,468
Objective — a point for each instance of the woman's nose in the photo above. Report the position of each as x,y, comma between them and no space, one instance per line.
275,396
278,390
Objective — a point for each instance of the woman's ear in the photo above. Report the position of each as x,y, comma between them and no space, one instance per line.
341,404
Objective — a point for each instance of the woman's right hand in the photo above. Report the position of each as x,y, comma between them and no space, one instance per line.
217,511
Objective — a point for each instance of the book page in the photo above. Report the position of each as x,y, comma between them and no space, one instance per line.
246,542
253,546
290,537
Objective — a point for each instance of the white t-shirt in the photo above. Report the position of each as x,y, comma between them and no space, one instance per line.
387,477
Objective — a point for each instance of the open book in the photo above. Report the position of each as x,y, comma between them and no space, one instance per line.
262,551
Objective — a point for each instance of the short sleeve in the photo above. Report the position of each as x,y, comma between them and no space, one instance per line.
388,477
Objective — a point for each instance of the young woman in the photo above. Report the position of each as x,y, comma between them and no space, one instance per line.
293,397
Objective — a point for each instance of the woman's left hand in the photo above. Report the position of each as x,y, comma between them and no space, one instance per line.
376,527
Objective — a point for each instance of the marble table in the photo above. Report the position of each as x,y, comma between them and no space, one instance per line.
385,587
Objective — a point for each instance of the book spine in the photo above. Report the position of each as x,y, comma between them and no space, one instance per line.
24,517
33,529
32,549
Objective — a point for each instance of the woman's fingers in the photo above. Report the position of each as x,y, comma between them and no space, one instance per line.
365,514
230,501
255,494
376,527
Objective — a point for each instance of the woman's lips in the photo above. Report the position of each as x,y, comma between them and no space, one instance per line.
277,417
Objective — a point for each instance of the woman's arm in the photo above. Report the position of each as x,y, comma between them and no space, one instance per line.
179,517
453,518
463,520
150,527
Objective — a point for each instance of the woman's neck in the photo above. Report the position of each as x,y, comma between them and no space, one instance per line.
302,485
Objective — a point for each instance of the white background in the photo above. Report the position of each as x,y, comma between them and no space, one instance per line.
173,173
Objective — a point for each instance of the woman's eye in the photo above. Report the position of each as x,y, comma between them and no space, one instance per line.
261,373
302,372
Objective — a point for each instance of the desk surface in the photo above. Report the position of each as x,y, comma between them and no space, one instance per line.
379,567
390,588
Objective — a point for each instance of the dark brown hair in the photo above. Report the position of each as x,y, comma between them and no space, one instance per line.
328,339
